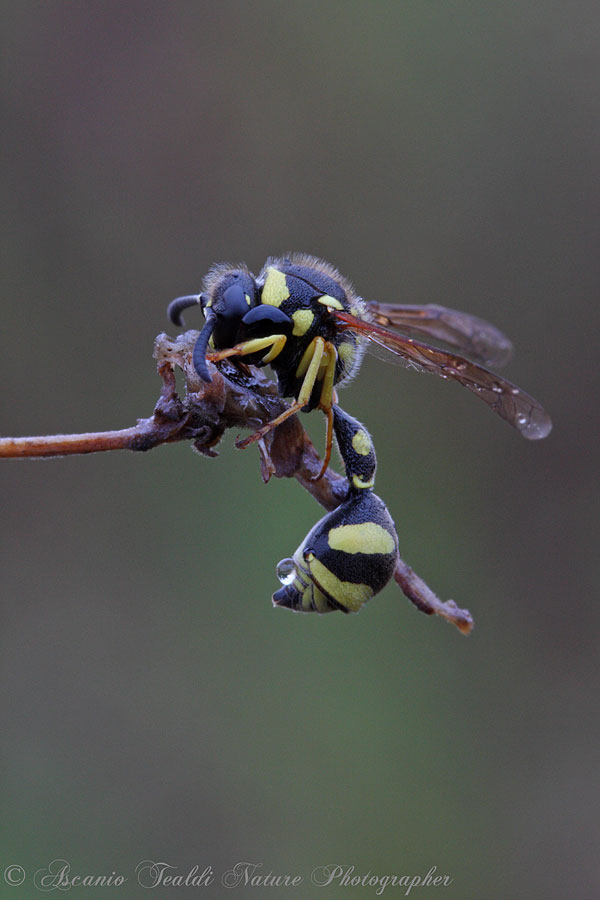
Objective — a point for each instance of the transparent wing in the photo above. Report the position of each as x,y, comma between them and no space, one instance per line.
475,337
508,401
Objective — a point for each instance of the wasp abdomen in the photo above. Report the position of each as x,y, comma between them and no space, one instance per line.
347,558
351,553
356,449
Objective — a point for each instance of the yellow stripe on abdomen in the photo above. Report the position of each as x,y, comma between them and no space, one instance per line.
346,593
367,537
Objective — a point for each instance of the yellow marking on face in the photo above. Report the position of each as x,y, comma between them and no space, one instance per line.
303,319
350,595
368,537
275,289
362,442
248,300
331,302
209,303
359,483
211,343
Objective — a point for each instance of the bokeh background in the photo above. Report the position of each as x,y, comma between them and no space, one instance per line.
154,705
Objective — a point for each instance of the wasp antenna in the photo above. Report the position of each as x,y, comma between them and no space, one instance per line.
199,354
176,307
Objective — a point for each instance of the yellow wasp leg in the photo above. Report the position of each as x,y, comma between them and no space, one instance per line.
278,345
327,390
312,371
306,390
328,443
326,402
275,341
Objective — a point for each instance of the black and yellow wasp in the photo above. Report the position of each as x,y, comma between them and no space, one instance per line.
301,317
304,319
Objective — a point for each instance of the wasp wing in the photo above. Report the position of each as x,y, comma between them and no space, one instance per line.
508,401
478,339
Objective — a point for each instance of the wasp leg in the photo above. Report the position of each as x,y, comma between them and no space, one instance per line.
294,408
303,397
357,451
328,444
326,403
275,341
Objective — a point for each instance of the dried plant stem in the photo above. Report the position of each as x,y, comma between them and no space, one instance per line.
235,398
424,599
66,444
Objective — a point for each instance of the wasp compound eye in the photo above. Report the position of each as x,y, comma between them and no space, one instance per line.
235,305
229,305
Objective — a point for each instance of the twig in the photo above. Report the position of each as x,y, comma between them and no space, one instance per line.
237,397
424,599
66,444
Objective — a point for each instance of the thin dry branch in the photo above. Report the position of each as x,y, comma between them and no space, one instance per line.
237,397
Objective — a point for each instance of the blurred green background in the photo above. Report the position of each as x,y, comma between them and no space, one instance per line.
154,705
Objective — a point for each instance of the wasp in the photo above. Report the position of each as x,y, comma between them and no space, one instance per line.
304,319
351,553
